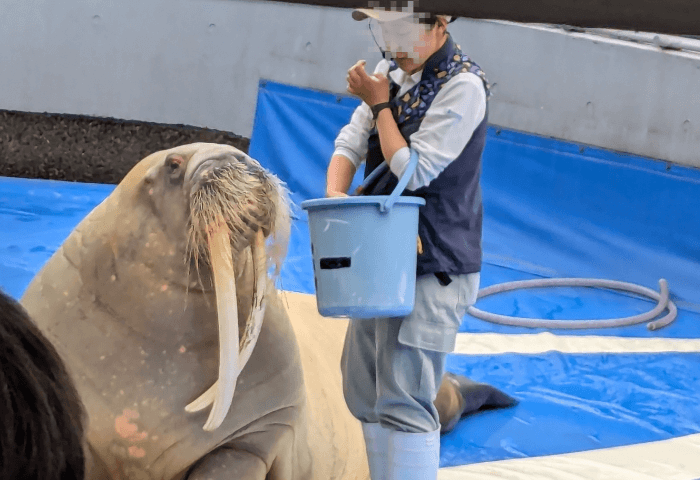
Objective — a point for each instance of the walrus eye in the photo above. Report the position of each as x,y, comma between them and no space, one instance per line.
173,162
172,165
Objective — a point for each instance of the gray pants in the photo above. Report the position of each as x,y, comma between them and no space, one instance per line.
392,367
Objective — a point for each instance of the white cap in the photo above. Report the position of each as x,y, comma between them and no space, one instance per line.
382,15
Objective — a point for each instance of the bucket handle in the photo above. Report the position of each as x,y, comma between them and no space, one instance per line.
403,181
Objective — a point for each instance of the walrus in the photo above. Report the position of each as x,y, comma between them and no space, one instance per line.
190,363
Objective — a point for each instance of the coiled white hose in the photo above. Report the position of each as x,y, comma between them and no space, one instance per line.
662,299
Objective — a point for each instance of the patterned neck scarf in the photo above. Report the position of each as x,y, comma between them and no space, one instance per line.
444,64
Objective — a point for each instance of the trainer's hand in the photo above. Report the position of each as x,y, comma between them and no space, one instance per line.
372,89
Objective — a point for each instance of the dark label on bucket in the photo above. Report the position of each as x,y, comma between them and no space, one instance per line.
332,263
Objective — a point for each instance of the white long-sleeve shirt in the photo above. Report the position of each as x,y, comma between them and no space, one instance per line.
457,110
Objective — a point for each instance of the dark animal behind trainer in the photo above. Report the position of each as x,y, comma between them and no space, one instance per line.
41,415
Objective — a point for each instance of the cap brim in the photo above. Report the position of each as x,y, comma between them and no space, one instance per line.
379,15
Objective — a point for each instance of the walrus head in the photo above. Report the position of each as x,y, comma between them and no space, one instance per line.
230,204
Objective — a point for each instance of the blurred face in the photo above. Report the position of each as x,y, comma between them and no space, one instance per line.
411,43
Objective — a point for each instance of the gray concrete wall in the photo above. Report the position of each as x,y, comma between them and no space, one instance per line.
198,62
613,93
195,62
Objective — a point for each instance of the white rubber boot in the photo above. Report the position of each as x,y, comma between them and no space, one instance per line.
377,443
413,456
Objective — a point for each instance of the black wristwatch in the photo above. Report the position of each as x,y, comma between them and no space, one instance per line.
378,108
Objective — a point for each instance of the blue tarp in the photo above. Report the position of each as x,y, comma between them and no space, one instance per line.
575,402
293,135
36,216
552,209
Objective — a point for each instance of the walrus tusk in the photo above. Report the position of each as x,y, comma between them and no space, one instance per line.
204,399
253,326
254,323
227,312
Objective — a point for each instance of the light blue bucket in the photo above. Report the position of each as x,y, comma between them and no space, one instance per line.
364,251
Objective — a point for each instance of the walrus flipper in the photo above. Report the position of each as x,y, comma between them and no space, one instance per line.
274,449
472,397
225,463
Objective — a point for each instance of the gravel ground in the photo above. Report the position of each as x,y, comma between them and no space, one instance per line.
87,149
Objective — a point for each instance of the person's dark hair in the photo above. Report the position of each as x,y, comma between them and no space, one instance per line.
41,415
431,19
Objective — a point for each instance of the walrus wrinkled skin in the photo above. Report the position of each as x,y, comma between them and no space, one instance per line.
132,304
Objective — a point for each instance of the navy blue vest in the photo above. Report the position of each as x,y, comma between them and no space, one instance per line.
450,222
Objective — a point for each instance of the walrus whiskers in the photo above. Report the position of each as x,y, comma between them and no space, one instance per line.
244,210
